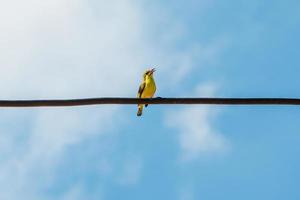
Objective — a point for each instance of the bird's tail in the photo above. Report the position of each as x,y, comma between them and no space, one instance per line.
140,110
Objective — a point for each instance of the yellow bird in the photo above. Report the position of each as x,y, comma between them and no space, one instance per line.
147,89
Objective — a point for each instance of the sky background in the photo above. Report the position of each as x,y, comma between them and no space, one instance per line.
96,48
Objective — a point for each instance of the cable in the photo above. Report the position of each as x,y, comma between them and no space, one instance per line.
158,100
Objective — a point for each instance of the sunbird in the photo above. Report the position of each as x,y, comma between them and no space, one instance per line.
146,89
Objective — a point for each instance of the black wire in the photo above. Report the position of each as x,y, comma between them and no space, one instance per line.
158,100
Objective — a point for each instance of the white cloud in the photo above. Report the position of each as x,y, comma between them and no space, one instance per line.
197,136
60,49
66,49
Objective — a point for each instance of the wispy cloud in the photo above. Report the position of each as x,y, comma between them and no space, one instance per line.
196,133
64,49
60,49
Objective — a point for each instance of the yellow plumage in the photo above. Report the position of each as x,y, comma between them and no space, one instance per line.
146,89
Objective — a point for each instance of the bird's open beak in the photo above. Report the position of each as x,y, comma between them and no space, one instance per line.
152,70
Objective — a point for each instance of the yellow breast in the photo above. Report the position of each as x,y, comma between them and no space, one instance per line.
150,88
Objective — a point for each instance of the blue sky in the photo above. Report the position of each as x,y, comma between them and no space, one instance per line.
64,49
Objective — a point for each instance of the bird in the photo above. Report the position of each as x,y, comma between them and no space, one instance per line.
146,89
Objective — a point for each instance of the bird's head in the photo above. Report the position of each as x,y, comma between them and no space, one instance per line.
149,73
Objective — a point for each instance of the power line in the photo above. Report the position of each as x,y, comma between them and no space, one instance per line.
158,100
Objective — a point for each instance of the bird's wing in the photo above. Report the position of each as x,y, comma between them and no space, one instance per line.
141,89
